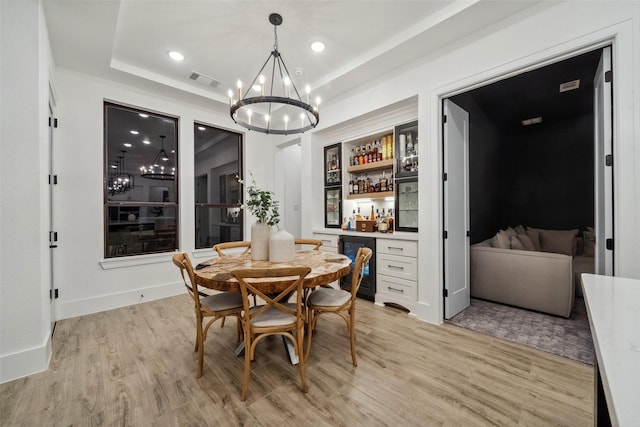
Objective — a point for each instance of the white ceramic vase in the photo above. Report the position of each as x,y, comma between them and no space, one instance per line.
260,234
281,247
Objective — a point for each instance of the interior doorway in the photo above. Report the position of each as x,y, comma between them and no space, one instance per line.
531,156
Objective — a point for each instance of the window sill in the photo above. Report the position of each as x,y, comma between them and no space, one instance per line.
136,260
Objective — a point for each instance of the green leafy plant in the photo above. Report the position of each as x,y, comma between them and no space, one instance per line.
261,204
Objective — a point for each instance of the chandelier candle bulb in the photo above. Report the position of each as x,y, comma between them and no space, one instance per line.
249,113
239,90
308,90
261,80
230,93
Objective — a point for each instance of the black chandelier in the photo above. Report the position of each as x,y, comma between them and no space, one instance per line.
119,181
161,167
280,112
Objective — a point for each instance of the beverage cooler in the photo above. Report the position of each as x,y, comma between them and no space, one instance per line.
349,245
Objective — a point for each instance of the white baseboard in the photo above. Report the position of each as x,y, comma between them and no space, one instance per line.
26,362
81,307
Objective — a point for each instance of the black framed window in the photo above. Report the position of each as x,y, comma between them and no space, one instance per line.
140,181
218,194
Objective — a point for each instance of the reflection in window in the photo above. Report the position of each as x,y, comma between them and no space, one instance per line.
141,182
218,195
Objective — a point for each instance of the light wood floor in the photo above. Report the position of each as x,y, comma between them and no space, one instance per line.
136,366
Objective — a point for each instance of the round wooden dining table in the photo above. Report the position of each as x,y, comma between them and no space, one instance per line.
326,267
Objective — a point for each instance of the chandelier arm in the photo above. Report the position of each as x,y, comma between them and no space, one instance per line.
281,60
257,75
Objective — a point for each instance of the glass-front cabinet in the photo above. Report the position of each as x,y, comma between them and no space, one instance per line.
407,205
333,207
332,162
406,137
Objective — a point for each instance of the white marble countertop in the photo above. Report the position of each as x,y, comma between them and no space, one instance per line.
399,235
613,306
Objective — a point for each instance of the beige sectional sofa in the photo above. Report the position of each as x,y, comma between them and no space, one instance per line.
531,279
538,281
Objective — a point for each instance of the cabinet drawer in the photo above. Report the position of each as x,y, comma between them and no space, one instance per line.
403,267
397,287
397,247
329,240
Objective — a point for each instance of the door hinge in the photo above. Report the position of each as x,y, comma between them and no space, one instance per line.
55,122
608,160
444,176
444,118
608,76
609,244
445,235
53,293
55,179
468,233
53,236
445,292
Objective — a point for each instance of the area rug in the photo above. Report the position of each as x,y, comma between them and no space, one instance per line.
565,337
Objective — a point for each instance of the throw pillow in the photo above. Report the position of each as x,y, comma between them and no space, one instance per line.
534,235
501,240
526,242
520,229
510,232
589,243
558,241
516,243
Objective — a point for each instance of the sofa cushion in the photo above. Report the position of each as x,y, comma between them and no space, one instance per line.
510,232
501,240
516,243
589,243
526,242
520,229
534,236
558,241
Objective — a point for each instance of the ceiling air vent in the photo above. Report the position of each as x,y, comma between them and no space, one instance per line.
567,86
205,80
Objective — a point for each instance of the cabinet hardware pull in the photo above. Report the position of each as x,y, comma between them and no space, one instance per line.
395,248
328,241
395,289
395,266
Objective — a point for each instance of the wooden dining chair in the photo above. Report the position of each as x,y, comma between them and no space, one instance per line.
216,306
338,301
314,242
275,317
221,247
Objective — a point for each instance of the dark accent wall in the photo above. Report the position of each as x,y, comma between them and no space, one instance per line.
540,175
550,175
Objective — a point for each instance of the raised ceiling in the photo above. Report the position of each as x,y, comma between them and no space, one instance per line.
128,40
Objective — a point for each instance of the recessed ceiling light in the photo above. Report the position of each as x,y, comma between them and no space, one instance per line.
176,56
135,132
317,46
146,141
127,144
299,71
202,128
143,115
532,121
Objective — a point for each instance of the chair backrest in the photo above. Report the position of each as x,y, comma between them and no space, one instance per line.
275,301
182,261
362,257
220,247
316,243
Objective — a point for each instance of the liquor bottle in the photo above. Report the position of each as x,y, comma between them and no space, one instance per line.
383,182
391,151
390,184
369,184
375,151
383,143
360,160
390,229
345,224
358,216
409,144
355,186
372,217
353,156
351,185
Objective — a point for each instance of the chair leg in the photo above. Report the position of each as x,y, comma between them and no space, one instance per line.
301,357
223,319
352,338
200,346
247,366
310,321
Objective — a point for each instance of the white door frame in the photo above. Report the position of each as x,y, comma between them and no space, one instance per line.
620,37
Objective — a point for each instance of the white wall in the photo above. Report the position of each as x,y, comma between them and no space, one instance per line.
541,33
25,346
